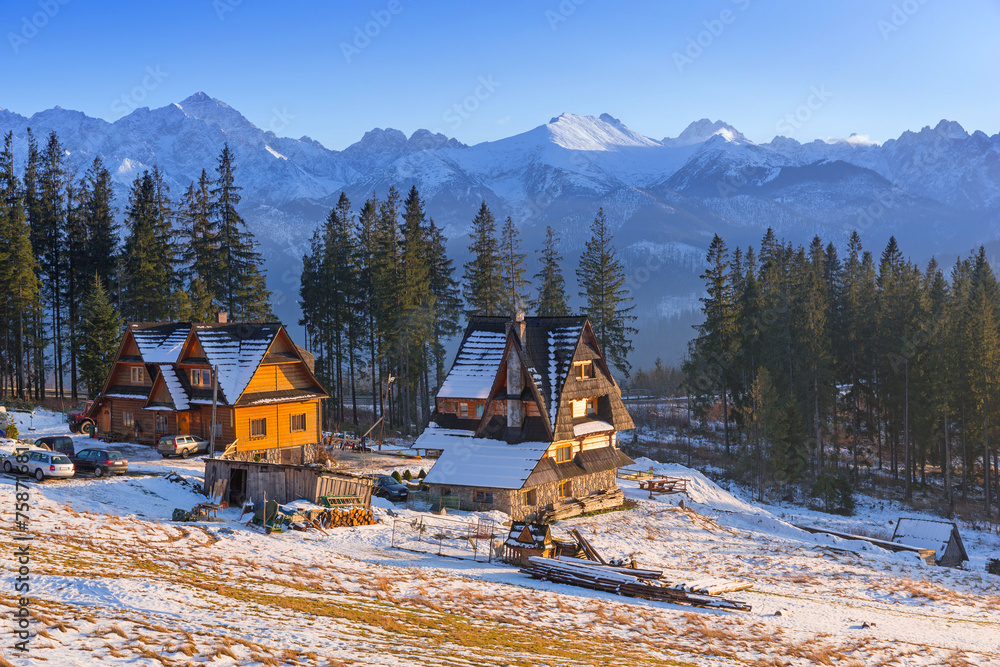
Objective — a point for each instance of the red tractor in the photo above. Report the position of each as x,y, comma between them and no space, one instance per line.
78,420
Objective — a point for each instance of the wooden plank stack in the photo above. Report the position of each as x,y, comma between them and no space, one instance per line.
615,580
567,509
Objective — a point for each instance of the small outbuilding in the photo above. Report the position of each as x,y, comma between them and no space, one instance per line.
942,536
526,540
258,482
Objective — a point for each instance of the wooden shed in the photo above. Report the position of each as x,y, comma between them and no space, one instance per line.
256,481
526,540
942,536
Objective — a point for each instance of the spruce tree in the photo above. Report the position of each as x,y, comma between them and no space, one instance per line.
200,245
512,269
608,304
101,333
237,279
551,301
482,284
447,298
147,262
102,230
51,233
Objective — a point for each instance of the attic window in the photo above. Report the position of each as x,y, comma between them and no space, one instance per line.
137,375
591,407
584,370
564,453
201,378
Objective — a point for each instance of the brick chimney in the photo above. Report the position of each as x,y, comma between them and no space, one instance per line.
515,381
221,317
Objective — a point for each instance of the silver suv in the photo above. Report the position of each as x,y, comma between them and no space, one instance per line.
181,445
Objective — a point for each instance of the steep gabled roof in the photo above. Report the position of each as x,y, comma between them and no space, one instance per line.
237,349
160,343
477,359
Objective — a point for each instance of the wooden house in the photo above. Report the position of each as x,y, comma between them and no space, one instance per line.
526,418
161,383
941,536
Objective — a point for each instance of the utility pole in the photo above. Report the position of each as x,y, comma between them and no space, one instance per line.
215,401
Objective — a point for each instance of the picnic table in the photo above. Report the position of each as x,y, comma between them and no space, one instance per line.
663,485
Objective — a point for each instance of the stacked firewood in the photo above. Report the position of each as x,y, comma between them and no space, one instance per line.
340,518
605,500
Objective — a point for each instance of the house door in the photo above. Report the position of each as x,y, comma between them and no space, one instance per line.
183,423
105,420
237,487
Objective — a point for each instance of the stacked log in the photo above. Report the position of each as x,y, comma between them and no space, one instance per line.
614,580
595,502
342,518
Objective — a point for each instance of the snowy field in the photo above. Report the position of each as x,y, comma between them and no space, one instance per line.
114,581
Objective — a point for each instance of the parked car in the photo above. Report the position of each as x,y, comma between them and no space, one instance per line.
41,464
100,462
388,488
10,462
57,443
181,445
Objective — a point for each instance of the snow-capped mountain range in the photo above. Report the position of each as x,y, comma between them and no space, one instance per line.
937,189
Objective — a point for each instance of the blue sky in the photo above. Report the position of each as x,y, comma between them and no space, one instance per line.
880,66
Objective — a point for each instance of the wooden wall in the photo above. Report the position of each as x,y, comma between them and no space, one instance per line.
278,377
279,425
285,483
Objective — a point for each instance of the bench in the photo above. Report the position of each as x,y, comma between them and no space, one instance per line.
663,485
340,501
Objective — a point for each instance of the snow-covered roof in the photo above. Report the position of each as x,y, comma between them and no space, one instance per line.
161,343
475,366
926,534
171,378
595,426
562,343
480,462
237,350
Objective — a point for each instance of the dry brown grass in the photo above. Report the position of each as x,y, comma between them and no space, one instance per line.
265,660
63,626
112,651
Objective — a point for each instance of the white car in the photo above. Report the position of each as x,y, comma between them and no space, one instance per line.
40,464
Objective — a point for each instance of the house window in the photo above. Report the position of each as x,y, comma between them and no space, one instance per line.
137,375
564,453
218,429
258,428
298,423
479,410
463,410
591,407
485,497
584,370
161,423
531,497
128,418
201,377
566,489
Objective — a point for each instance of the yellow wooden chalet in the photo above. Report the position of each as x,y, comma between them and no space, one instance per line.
161,383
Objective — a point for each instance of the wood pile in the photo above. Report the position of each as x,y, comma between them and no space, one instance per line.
616,580
335,517
595,502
